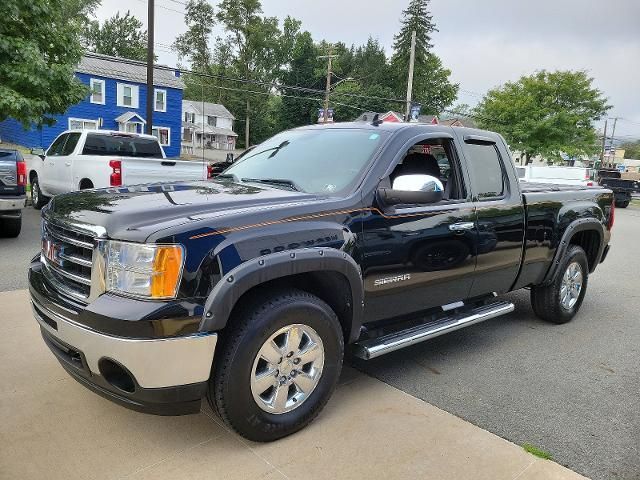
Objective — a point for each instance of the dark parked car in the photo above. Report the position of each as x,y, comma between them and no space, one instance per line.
13,182
622,188
248,288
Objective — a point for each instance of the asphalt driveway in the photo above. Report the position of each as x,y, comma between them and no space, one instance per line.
572,390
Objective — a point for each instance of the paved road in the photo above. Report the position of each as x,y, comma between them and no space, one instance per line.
572,390
15,253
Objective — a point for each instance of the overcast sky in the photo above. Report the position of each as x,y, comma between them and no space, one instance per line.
483,43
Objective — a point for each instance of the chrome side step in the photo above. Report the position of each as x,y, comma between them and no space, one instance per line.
375,347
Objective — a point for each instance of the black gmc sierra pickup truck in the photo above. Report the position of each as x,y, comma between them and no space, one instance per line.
249,288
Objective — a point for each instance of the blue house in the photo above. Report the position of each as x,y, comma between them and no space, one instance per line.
117,102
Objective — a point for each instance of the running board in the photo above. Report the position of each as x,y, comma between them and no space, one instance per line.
375,347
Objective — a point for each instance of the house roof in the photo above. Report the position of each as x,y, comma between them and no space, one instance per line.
129,70
127,116
213,109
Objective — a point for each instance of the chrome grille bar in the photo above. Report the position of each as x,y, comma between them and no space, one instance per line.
77,260
71,276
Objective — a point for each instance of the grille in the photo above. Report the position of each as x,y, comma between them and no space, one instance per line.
67,255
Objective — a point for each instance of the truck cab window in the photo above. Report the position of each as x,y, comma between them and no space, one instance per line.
56,147
434,157
70,146
486,170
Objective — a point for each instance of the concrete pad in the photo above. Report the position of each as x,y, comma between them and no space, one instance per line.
52,427
546,470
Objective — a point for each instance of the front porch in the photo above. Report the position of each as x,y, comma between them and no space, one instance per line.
207,138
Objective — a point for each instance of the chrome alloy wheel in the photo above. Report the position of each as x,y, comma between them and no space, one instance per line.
571,286
35,194
287,368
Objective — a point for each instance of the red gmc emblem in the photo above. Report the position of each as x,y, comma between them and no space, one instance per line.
51,250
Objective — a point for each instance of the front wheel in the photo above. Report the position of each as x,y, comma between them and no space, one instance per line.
38,200
559,301
278,364
622,204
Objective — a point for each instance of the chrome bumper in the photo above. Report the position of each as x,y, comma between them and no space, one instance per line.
154,363
11,204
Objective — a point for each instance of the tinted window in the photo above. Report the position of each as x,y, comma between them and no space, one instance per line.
8,155
486,171
121,146
72,141
316,161
56,147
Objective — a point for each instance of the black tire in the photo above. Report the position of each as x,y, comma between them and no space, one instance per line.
229,391
11,227
38,200
546,301
623,204
86,184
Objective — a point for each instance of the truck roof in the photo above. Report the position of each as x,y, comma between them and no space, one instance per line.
110,132
397,126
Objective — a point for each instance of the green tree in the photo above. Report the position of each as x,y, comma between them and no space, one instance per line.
193,45
40,45
547,113
631,149
431,85
301,70
256,58
118,36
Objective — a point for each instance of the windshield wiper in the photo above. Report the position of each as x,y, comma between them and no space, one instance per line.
278,182
227,176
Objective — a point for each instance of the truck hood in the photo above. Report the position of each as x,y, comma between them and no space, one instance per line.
136,212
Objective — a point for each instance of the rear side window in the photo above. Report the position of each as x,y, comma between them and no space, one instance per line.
70,146
486,170
121,146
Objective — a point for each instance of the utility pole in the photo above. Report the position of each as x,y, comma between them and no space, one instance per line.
327,89
150,91
412,59
604,139
613,133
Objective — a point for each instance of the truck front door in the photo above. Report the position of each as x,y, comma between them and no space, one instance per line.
421,256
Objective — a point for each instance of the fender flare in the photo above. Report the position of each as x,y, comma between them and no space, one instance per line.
574,227
247,275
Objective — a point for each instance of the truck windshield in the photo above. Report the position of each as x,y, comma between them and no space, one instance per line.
121,146
314,161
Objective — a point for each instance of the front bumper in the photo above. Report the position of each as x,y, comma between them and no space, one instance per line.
12,205
165,376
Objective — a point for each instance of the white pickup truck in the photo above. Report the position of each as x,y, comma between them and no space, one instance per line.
82,159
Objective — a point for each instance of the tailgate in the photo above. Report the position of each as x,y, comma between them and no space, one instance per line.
8,174
153,170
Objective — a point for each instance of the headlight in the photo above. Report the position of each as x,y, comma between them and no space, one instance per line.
143,270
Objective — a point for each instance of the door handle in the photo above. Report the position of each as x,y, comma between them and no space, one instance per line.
68,164
462,227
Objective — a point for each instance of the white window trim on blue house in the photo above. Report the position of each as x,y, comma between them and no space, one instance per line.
84,121
155,100
134,95
155,131
92,82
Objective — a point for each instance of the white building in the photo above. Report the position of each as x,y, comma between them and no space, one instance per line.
206,125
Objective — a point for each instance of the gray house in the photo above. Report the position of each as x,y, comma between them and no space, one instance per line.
208,126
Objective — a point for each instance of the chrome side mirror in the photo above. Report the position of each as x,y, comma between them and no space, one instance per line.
413,189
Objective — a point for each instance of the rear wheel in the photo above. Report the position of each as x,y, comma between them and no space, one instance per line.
559,301
278,364
623,204
38,200
11,227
